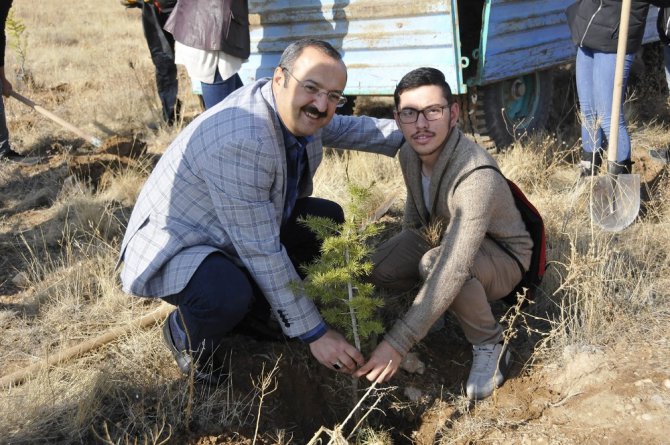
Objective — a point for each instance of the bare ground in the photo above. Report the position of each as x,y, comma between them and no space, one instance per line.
616,394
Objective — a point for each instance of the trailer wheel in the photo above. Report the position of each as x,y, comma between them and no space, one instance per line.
511,108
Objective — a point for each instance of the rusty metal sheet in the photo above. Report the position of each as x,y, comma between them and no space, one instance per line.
380,40
523,36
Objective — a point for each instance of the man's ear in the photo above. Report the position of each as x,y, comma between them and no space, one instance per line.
395,116
278,76
454,114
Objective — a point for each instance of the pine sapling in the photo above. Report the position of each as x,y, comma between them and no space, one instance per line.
337,279
18,42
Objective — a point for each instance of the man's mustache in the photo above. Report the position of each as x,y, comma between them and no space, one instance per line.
311,109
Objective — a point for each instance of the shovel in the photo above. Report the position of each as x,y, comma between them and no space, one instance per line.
92,140
615,199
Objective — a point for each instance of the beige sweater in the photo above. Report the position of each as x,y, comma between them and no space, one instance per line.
481,204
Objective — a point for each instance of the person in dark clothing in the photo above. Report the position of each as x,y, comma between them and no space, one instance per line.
213,41
6,151
161,46
594,26
663,26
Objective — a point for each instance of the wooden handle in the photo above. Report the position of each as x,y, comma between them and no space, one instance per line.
93,140
618,82
150,319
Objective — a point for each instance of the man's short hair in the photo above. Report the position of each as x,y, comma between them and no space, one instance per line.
422,77
293,51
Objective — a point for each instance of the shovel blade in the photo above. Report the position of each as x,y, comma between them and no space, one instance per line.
615,201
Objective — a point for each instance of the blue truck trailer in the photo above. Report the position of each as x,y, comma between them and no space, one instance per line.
497,55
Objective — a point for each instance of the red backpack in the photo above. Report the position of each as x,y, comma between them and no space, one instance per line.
532,278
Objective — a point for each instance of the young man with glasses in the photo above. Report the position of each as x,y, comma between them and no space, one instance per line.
470,207
214,229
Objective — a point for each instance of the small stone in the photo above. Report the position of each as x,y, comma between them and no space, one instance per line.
647,417
657,400
666,383
643,382
413,394
21,279
412,364
636,400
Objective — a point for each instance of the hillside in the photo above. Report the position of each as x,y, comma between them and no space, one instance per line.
591,355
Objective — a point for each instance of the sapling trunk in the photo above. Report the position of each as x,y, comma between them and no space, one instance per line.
350,290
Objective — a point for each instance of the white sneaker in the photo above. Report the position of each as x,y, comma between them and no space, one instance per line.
489,366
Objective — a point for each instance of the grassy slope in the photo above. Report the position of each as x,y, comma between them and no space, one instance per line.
606,303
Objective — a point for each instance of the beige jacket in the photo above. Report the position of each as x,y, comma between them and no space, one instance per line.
481,204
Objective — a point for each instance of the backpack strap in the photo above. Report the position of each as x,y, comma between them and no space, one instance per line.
500,244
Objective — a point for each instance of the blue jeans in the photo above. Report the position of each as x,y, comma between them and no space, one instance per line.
595,83
221,294
213,93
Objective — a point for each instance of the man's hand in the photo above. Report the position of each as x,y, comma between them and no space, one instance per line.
333,351
380,358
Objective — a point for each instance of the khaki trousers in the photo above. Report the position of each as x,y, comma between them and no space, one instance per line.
404,260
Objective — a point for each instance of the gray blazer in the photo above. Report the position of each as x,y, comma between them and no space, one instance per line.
220,187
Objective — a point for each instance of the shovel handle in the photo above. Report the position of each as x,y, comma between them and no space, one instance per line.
93,140
618,82
23,374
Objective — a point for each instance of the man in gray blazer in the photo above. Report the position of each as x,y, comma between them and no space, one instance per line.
214,228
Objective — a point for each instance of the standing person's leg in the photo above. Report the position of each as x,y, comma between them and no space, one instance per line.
494,275
161,46
663,154
215,300
213,93
604,65
592,136
4,133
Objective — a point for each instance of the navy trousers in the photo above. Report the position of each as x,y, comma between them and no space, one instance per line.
220,294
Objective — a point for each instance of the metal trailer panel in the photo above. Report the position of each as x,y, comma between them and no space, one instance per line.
524,36
380,40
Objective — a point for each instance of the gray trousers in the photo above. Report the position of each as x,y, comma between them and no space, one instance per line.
404,260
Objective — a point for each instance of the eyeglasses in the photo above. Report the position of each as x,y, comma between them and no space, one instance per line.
410,115
334,97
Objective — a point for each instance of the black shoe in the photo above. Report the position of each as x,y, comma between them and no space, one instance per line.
620,168
662,155
211,373
590,163
11,155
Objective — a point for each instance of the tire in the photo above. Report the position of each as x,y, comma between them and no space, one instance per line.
511,108
348,108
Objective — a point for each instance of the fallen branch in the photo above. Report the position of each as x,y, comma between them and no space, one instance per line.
336,436
18,377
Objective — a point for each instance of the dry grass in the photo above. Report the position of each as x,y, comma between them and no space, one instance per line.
92,68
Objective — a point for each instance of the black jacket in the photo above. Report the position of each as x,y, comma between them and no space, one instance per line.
594,24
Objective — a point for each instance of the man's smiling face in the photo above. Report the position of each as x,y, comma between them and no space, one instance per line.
301,112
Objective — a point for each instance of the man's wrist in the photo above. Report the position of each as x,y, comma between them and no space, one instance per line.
314,334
